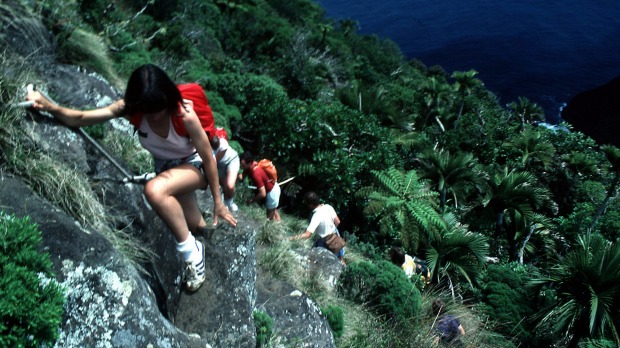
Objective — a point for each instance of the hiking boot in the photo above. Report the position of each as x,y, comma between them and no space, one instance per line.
232,207
195,272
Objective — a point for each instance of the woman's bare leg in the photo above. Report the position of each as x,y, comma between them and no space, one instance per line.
163,192
229,185
193,215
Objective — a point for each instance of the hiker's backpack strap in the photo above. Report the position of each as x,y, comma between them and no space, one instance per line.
135,120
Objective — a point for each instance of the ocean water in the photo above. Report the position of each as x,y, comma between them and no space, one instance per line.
544,50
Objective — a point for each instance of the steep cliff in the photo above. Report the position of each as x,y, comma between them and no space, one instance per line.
123,277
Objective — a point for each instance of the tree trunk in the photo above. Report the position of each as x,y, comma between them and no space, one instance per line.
499,221
442,200
529,235
610,193
458,115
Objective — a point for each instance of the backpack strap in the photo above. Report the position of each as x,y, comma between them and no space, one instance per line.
135,120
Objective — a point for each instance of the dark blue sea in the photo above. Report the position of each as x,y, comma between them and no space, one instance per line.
544,50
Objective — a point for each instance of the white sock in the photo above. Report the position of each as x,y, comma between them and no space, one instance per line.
228,202
190,249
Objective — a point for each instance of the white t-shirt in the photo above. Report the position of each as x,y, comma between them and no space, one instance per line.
323,220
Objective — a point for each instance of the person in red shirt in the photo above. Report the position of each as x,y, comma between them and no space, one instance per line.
266,189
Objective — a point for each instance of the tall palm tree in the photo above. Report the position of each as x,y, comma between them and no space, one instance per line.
532,147
325,29
613,155
586,283
464,83
581,163
348,27
452,174
456,253
527,111
404,207
437,100
513,193
534,236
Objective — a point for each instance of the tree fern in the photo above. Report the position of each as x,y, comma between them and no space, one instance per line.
403,206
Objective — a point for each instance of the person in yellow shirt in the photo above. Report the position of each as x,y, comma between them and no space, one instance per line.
410,264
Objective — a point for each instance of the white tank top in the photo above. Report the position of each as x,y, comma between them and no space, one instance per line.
172,147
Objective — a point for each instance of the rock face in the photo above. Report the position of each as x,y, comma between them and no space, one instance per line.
113,299
108,303
596,113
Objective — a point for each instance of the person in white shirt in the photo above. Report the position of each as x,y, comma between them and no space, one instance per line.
324,222
227,168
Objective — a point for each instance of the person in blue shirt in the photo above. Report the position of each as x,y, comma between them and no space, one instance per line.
447,328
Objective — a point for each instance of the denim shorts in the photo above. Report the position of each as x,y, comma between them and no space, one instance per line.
193,159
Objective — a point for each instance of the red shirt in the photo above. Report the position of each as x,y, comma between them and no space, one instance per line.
260,178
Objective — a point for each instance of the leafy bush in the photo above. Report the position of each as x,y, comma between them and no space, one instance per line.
335,318
507,300
264,328
383,287
248,91
31,305
329,146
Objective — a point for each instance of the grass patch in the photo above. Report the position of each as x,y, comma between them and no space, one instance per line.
57,182
84,48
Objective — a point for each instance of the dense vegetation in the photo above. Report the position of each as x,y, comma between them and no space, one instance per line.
408,155
31,302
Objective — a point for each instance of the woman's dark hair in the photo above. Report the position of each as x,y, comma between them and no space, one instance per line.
150,90
312,199
397,256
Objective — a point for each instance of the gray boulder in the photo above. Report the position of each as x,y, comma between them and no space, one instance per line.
108,304
296,317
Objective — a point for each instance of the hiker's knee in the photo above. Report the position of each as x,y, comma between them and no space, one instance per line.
154,191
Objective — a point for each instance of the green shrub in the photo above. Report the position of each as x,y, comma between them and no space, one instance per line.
264,328
249,91
383,287
508,302
335,318
31,306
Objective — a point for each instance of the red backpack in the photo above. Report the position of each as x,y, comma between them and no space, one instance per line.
269,169
196,94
